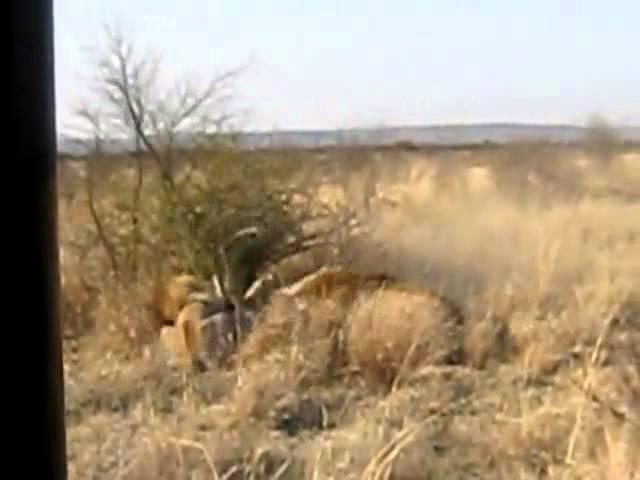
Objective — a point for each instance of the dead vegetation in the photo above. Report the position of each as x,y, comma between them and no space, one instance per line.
476,315
501,341
482,320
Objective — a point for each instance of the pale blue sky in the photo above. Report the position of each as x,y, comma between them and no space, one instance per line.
336,64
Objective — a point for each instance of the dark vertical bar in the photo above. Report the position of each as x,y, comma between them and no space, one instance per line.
34,120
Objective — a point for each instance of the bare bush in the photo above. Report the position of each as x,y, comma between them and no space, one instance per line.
188,198
130,107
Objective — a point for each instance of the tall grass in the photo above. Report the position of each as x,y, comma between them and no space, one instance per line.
541,258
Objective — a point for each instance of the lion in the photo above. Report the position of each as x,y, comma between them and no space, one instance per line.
168,299
339,284
200,328
196,326
371,322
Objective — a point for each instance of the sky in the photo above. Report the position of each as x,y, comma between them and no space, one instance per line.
329,64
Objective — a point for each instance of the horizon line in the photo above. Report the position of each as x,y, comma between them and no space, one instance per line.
505,123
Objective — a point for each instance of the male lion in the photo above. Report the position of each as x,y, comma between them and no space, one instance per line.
197,327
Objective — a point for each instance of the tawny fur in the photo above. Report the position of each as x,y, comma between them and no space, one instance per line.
336,283
286,272
169,299
189,323
189,331
195,338
173,342
360,318
187,341
211,337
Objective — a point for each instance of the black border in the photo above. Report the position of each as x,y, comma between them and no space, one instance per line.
34,126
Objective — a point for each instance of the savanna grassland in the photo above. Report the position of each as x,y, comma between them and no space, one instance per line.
538,246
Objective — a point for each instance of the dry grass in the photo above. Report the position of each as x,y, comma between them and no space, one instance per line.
538,378
397,329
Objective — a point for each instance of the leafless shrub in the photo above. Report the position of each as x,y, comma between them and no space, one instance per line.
186,211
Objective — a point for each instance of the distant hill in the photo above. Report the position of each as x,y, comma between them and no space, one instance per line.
436,134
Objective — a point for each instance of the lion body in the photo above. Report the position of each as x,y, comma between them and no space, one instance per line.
339,284
169,299
367,308
196,327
